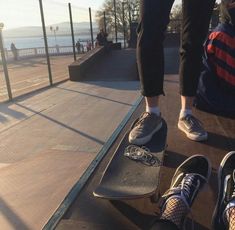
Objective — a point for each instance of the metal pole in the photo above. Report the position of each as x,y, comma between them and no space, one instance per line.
72,32
92,39
124,25
4,63
45,42
129,11
115,18
55,37
105,25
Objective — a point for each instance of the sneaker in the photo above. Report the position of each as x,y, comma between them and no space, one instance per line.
188,179
147,125
193,128
226,193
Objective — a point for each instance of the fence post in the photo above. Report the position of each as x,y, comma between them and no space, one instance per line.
72,31
129,12
91,28
115,18
124,25
4,63
105,25
45,42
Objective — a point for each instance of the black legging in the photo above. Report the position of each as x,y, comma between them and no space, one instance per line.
164,225
154,17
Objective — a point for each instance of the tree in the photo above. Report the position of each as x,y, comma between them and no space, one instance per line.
131,14
175,19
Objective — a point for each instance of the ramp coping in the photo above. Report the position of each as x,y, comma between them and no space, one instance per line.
71,196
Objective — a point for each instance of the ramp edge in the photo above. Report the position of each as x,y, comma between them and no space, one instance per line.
71,196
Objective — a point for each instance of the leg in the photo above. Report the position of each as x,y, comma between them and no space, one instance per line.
164,224
230,216
188,179
154,17
194,32
224,214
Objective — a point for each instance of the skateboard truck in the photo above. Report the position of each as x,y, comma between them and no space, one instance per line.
141,154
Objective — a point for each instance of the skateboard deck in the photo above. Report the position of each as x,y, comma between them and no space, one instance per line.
133,171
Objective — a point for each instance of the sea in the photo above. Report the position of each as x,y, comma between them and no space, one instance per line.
34,42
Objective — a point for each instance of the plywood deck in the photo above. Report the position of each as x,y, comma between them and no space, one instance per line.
138,214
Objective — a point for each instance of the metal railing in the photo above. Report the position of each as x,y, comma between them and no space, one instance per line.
39,52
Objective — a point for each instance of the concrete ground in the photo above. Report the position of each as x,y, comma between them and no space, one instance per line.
50,137
28,75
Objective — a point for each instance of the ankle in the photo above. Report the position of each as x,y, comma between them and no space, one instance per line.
185,112
230,215
175,211
154,110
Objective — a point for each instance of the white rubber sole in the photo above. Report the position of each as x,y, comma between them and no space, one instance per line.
144,140
192,136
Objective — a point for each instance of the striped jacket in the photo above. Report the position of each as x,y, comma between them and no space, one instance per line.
216,87
220,54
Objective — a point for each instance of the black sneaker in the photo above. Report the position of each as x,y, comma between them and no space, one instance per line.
188,179
147,125
226,193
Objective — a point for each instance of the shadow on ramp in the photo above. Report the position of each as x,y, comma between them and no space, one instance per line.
143,221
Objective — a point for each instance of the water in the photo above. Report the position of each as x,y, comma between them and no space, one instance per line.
33,42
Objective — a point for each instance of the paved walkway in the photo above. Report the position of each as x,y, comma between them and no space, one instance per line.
32,74
49,138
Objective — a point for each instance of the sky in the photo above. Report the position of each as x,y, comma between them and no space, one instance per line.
20,13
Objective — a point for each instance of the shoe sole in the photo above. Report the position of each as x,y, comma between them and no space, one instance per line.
219,190
193,137
144,140
188,159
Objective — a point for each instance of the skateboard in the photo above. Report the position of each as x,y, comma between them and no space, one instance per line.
134,171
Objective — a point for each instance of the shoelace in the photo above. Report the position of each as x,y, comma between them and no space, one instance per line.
193,121
141,120
185,186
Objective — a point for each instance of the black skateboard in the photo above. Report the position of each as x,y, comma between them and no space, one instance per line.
134,171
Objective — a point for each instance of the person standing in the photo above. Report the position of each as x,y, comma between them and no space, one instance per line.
78,46
154,18
14,51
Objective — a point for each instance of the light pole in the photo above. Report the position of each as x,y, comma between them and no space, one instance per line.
124,23
4,63
115,18
91,28
52,29
105,25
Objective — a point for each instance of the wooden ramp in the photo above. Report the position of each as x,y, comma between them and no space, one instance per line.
88,212
50,138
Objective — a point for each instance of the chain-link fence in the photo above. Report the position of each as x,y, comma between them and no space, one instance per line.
41,38
38,44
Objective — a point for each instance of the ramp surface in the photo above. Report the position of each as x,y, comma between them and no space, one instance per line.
49,138
139,214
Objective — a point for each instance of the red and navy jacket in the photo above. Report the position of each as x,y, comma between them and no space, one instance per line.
220,54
